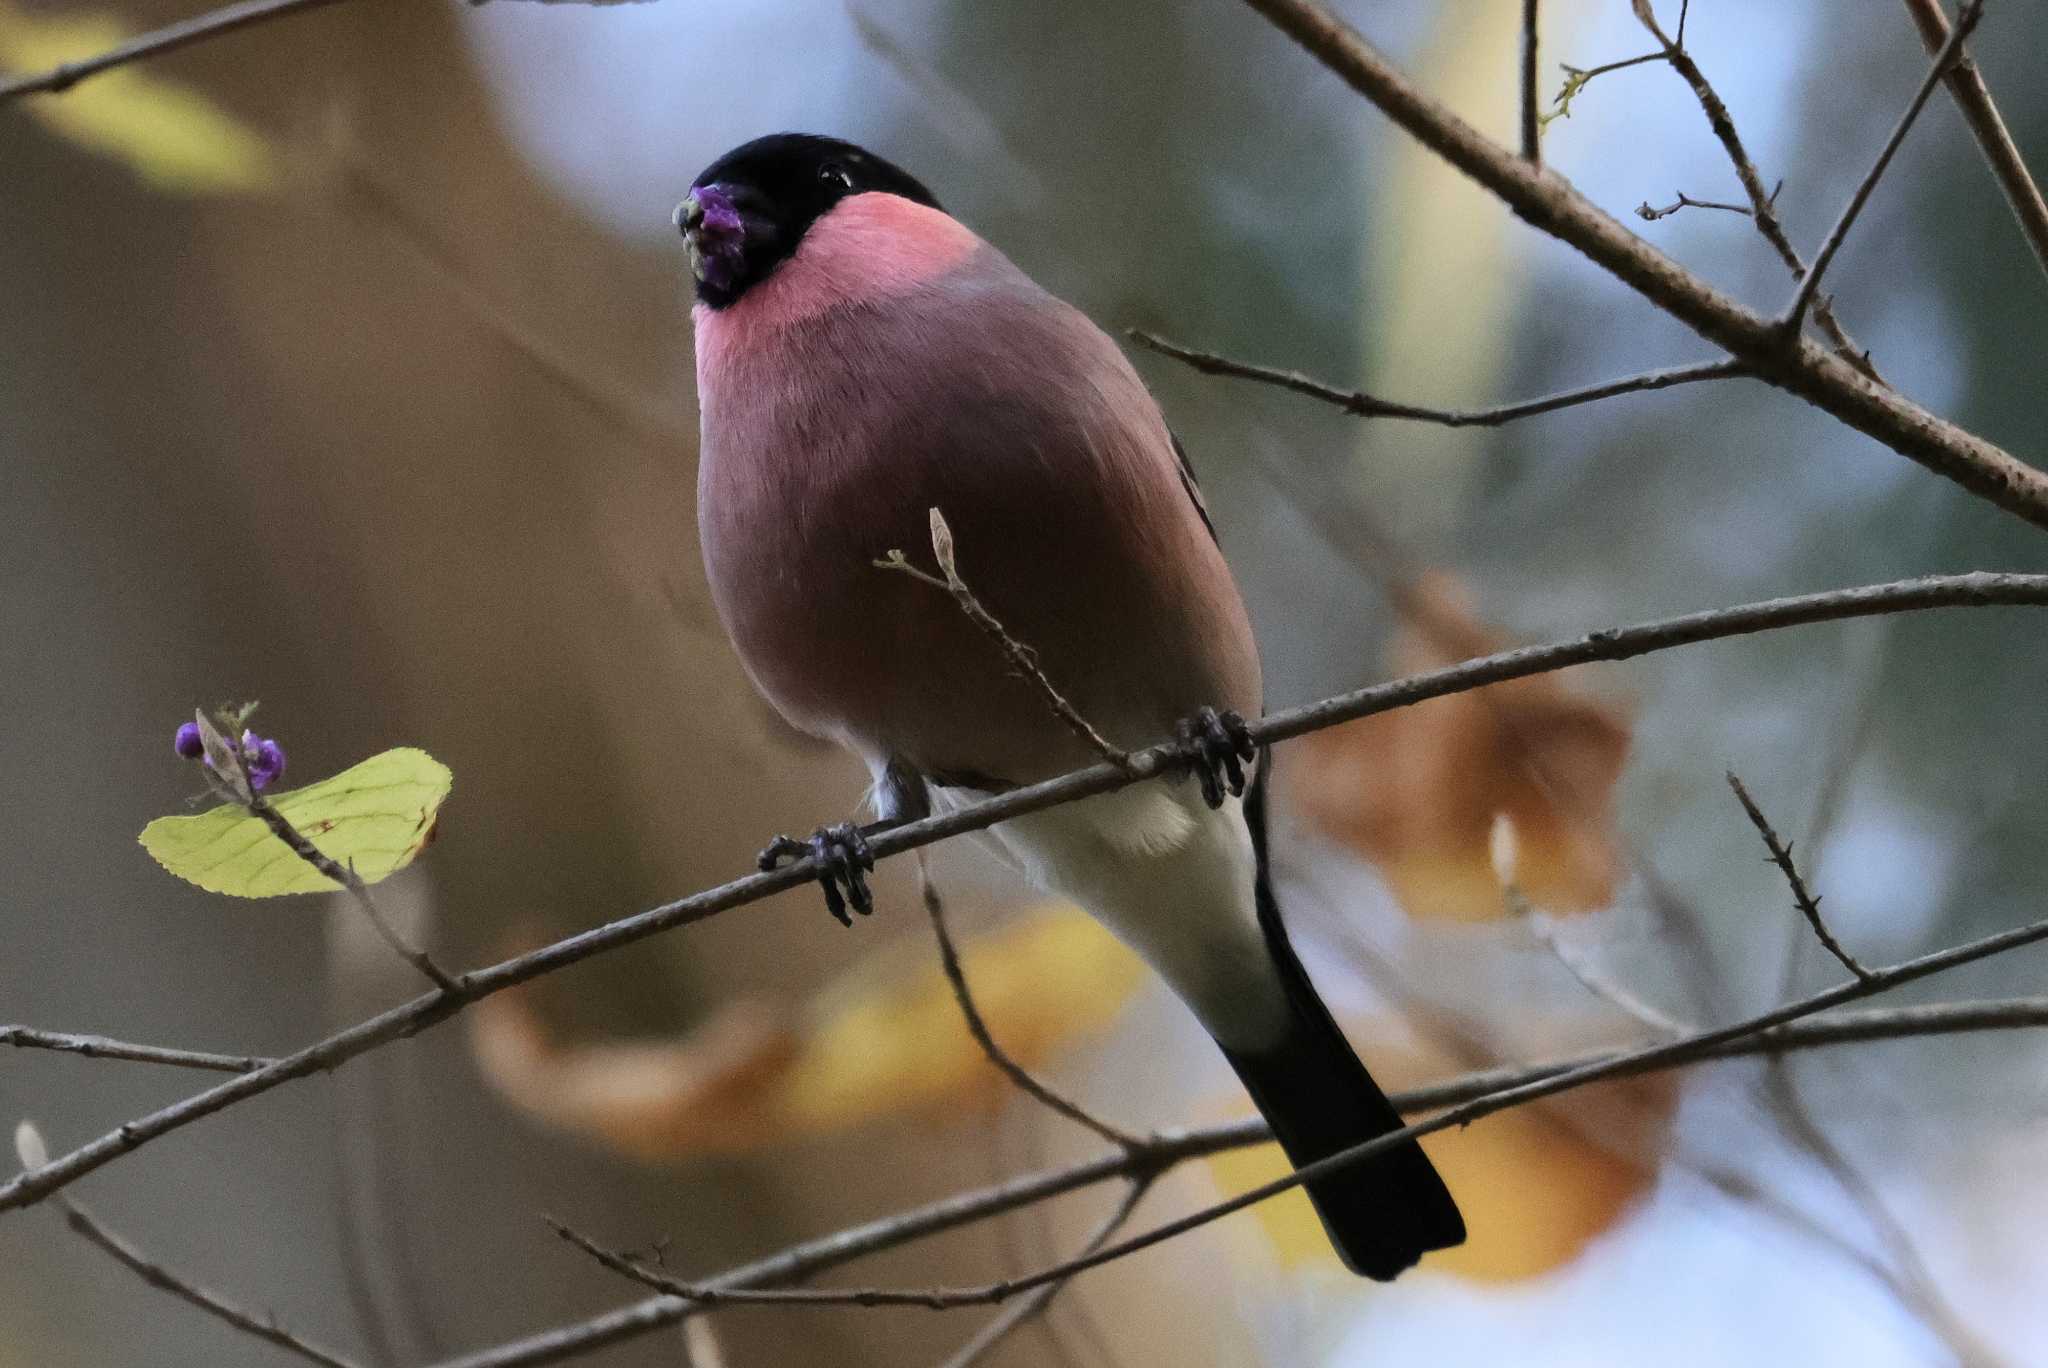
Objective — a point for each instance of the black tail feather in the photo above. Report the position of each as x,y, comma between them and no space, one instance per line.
1387,1212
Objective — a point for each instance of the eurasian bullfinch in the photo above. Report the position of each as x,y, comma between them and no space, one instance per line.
863,358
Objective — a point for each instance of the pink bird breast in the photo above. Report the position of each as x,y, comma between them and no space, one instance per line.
869,247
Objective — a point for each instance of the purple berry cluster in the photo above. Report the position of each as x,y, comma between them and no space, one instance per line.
262,757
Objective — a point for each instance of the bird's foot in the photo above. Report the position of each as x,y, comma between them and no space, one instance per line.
843,862
1217,744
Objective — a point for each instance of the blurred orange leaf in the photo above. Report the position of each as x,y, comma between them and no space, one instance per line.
885,1040
1416,791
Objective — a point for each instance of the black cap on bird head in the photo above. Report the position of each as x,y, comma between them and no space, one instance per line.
747,212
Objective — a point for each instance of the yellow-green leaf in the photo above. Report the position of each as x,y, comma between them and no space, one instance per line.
375,816
175,138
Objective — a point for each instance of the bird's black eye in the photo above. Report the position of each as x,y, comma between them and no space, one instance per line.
832,173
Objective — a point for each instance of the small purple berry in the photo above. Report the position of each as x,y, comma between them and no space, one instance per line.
188,743
264,759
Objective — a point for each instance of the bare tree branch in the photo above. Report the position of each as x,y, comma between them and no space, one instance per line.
1973,98
407,1019
1551,204
977,1026
1360,404
1966,20
1781,856
102,1047
844,1246
1762,1033
169,38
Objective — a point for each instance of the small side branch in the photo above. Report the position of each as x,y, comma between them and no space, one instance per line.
169,38
1809,905
1648,214
1973,98
1577,79
1795,312
1021,657
1763,207
345,875
1027,1083
103,1047
1362,405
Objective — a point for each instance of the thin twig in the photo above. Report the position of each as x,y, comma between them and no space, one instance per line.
1966,20
1577,79
977,1026
1532,126
713,1293
346,876
170,37
1973,98
1907,1275
1033,1304
1648,214
263,1327
1362,405
1021,657
102,1047
1625,643
1176,1147
1808,904
1903,1271
1717,1042
1597,983
1763,208
1544,928
1740,1187
357,1281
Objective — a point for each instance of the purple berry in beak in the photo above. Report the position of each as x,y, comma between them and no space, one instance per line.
715,234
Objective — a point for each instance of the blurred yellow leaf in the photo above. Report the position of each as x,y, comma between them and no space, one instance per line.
375,816
1416,791
887,1039
176,139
